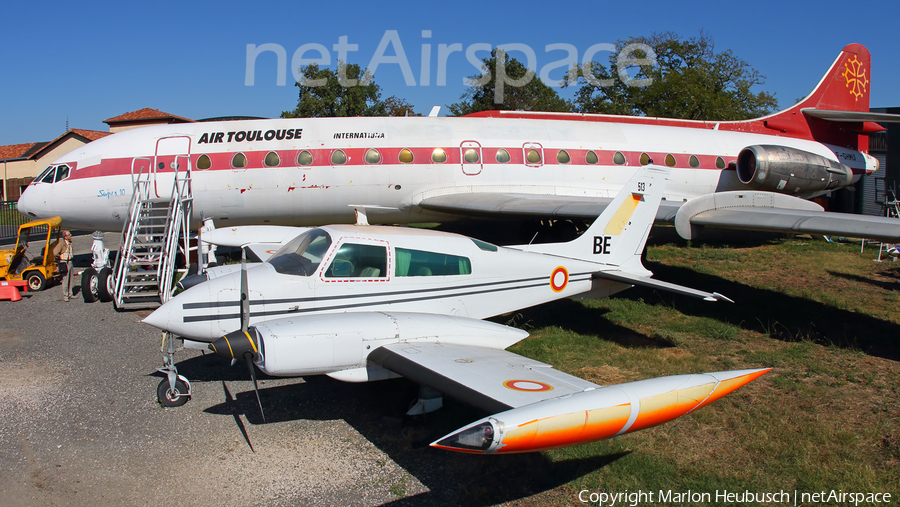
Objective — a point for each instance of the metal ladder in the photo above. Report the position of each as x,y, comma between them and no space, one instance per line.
156,231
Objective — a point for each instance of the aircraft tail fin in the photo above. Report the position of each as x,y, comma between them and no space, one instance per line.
618,236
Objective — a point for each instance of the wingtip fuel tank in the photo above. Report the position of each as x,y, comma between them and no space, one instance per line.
594,414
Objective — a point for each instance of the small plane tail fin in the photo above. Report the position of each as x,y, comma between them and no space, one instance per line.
618,236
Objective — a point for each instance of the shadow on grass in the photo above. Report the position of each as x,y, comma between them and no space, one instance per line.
778,315
862,279
376,411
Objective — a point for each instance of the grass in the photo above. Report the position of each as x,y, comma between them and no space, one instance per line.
821,314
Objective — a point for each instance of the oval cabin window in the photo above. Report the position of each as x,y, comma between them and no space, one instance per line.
338,157
304,158
272,159
438,156
239,161
373,157
203,162
406,156
502,156
591,157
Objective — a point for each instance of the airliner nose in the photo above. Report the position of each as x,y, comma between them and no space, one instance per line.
29,202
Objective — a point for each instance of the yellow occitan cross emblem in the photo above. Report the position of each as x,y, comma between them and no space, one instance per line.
856,77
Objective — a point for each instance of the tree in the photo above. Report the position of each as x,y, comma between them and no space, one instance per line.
346,91
518,91
395,106
690,80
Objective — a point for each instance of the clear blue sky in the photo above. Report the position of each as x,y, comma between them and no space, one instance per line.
88,61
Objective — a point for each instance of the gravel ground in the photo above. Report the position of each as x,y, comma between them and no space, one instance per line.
80,425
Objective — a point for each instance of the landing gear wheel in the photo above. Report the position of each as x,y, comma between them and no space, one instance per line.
90,285
36,281
106,285
172,399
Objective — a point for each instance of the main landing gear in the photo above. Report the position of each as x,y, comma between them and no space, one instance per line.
175,389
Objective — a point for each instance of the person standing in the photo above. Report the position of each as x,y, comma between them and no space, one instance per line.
63,253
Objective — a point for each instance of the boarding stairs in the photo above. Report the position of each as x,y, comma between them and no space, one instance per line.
157,230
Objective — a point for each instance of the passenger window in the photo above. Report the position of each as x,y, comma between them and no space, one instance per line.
421,263
406,156
358,261
720,162
438,156
62,172
338,157
694,161
272,159
49,174
471,156
502,156
533,156
203,162
238,161
670,160
618,158
645,159
591,157
304,158
373,157
562,156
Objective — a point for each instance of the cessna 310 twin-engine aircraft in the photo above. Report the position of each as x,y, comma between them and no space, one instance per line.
362,303
524,165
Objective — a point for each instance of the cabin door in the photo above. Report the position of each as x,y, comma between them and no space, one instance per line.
173,156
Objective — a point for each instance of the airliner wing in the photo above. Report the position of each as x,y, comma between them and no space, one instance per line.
529,205
490,379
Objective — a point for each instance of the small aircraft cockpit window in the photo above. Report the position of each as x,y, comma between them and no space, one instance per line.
358,261
420,263
406,156
272,159
533,156
645,159
502,156
47,175
203,162
373,157
591,158
238,161
618,158
562,156
471,156
720,162
438,156
304,158
670,160
338,157
487,247
302,256
694,161
62,172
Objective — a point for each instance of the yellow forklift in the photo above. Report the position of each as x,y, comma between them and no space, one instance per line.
32,259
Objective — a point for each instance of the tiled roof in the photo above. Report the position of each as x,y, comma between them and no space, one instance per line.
16,150
145,114
93,135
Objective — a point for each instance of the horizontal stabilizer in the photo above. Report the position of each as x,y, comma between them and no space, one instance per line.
244,235
646,281
851,116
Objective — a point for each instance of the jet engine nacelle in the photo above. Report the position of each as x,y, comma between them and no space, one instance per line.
338,344
789,170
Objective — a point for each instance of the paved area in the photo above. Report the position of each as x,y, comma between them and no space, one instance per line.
80,425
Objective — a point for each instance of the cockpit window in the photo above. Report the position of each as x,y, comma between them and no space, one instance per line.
48,175
358,261
302,256
43,175
62,172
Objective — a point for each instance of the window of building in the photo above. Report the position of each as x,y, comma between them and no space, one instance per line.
591,158
438,156
272,159
239,161
421,263
373,157
338,157
406,156
304,158
562,156
502,156
358,261
203,162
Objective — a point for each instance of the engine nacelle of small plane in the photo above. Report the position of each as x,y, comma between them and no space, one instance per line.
789,170
338,344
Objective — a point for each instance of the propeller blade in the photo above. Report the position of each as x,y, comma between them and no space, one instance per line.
248,358
245,293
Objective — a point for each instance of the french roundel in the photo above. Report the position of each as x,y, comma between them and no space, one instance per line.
528,386
559,279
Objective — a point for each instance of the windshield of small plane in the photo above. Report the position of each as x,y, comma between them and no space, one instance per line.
302,256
